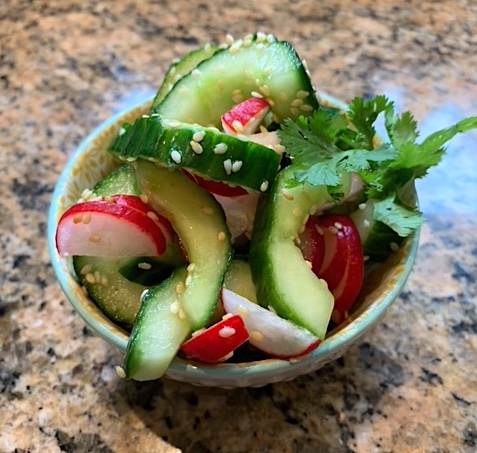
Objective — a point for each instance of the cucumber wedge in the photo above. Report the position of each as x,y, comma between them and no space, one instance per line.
199,221
259,64
159,331
203,151
181,68
120,181
116,284
282,277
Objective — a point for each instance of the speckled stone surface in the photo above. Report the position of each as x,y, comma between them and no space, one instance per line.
410,386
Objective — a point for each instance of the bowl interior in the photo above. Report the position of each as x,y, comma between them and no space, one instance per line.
91,163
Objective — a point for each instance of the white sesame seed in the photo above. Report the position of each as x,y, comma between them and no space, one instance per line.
207,210
271,39
131,159
302,94
236,166
306,108
86,218
242,311
228,166
309,264
145,266
86,269
270,308
287,195
366,223
221,236
264,186
256,95
226,332
261,37
90,278
227,316
256,335
238,126
196,73
198,136
120,372
188,280
198,332
265,90
174,307
145,116
229,39
220,148
182,314
191,267
332,229
294,111
362,206
176,157
196,147
394,246
297,102
104,281
297,212
153,216
227,357
97,277
95,238
144,198
338,225
180,288
122,131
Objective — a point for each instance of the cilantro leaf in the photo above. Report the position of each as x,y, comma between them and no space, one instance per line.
401,219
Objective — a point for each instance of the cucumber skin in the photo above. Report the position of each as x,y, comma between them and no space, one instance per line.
187,207
282,277
158,332
121,181
202,97
155,138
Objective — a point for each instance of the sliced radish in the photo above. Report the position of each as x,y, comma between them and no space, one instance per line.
246,117
216,187
104,228
218,342
137,203
268,332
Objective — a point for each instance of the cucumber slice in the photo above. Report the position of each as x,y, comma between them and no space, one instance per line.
159,331
261,65
120,181
203,151
239,279
282,277
200,224
181,68
378,240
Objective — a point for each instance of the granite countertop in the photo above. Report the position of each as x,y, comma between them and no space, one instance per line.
409,386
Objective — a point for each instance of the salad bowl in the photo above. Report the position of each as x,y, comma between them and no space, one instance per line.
383,281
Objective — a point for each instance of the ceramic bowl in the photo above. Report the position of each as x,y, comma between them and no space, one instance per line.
91,163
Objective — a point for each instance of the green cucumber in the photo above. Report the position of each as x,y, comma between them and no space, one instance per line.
116,295
159,331
282,277
239,279
181,68
257,64
203,151
199,221
378,239
120,181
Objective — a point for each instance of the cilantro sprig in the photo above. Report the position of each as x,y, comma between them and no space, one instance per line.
329,142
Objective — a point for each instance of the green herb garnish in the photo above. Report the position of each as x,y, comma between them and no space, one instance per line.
330,142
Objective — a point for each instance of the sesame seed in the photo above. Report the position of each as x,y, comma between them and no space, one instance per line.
297,212
198,136
174,307
86,269
238,126
366,223
333,229
95,238
306,108
297,103
283,96
97,277
394,246
196,147
180,288
191,267
287,195
242,311
271,102
220,148
227,316
153,216
131,159
90,278
265,90
109,199
145,266
264,186
294,111
198,332
182,314
145,116
302,94
362,206
221,236
120,372
176,157
236,166
261,37
237,98
228,166
270,308
309,264
338,225
298,240
271,39
256,95
229,39
227,357
188,280
77,218
256,335
319,230
226,332
196,73
247,41
144,198
104,281
122,131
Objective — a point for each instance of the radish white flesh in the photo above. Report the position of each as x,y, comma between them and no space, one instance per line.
102,228
268,332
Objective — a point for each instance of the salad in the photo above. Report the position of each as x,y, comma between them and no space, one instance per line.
243,211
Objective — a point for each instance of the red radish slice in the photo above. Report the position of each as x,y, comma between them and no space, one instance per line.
102,228
268,332
137,203
312,244
216,187
245,118
218,342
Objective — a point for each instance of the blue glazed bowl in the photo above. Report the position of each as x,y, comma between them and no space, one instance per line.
91,163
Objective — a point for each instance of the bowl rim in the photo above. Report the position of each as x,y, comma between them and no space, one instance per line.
185,370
